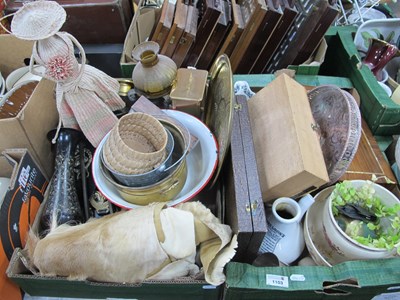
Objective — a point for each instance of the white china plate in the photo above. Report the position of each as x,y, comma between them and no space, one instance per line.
21,75
368,13
372,27
201,163
4,184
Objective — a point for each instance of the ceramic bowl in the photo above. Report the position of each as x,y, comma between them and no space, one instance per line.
2,85
21,75
201,164
4,184
332,244
13,101
349,249
312,230
386,88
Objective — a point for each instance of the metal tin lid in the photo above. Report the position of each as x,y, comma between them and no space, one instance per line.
219,107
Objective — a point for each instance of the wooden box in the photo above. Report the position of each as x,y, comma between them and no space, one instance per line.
289,156
244,206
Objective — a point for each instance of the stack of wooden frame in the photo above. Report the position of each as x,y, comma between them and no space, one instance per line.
259,36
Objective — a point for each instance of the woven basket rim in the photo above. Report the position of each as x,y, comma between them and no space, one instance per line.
146,125
117,161
120,157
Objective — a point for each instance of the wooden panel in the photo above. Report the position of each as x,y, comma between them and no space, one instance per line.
218,35
177,29
284,24
210,11
187,38
263,33
235,32
369,160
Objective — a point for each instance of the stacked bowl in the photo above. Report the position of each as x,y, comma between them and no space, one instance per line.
143,157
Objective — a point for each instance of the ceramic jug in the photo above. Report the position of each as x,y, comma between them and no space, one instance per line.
285,236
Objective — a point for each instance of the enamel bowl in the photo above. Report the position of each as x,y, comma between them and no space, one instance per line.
201,164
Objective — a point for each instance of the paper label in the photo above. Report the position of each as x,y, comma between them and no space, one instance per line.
277,280
272,239
297,277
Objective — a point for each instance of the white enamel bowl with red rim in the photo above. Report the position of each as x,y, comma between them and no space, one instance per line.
201,161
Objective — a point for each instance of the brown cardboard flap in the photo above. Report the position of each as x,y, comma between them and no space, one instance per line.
14,53
13,157
6,167
30,127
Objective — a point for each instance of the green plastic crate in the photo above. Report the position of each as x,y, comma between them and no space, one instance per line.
349,280
342,59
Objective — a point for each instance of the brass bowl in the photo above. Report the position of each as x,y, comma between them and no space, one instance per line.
163,191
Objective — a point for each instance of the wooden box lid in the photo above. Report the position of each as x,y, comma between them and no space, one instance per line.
288,152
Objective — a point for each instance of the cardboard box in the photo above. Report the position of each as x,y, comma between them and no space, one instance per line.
23,275
18,209
289,156
36,285
29,128
140,29
343,59
312,65
349,280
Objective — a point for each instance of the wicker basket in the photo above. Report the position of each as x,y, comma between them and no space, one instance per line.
136,144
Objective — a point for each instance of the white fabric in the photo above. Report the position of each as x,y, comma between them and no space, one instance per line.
178,227
149,242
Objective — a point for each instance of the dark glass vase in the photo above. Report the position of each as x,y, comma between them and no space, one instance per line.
62,205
